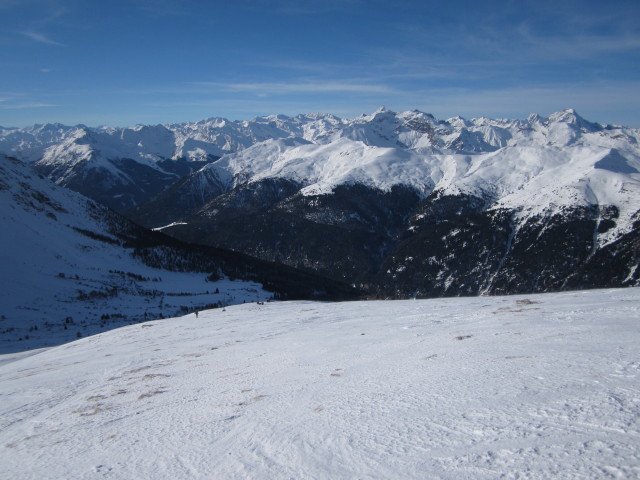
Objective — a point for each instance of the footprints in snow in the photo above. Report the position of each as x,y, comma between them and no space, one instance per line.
252,400
246,403
257,398
151,394
522,305
102,402
103,469
463,337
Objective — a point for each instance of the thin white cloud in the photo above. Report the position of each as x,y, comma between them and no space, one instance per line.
39,37
572,45
20,106
20,101
512,37
615,102
300,87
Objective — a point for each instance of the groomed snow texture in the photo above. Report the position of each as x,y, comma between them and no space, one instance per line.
538,386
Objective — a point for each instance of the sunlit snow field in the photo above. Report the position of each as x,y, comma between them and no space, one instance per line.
536,386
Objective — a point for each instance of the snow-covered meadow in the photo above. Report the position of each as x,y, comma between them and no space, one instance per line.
535,386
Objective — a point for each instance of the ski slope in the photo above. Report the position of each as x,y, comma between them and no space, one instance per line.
536,386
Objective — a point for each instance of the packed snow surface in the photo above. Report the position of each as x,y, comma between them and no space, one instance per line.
537,386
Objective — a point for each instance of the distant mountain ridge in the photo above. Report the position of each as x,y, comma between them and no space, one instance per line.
401,202
124,167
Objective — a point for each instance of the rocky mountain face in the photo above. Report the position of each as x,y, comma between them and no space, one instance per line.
401,204
471,251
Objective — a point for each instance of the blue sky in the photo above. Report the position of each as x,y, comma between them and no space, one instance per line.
163,61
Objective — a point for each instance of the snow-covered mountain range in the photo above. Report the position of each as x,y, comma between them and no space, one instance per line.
537,165
395,200
539,161
537,386
123,166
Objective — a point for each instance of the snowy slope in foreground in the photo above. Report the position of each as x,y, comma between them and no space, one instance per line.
66,273
542,386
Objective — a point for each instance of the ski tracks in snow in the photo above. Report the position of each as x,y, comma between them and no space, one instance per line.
542,386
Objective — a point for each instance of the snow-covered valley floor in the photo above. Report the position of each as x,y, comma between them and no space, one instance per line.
536,386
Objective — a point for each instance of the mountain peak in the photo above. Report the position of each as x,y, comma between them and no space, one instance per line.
568,115
380,114
535,118
415,113
571,117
